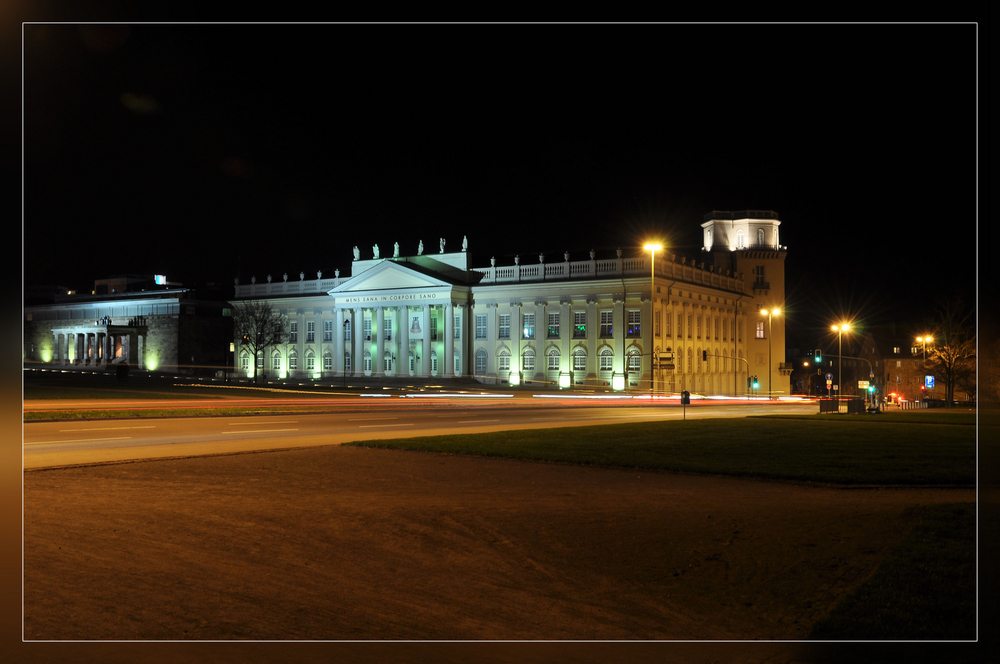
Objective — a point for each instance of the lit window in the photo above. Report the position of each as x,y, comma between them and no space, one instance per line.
480,362
607,360
503,361
529,327
607,324
579,324
579,360
552,360
480,326
634,323
634,361
504,326
760,329
528,360
553,325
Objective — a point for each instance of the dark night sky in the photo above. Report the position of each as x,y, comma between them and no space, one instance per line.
206,152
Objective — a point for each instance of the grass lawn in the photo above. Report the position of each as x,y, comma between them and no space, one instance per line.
811,450
923,589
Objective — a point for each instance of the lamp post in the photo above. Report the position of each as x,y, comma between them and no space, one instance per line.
924,340
840,329
652,248
769,314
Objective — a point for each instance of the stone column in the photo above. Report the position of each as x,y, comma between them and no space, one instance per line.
425,353
404,339
357,326
449,340
378,363
338,341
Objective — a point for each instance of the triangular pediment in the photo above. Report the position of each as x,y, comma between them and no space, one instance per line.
389,276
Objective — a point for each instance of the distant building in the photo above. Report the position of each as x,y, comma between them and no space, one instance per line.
614,321
169,329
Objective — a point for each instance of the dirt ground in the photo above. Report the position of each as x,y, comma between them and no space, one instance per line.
341,543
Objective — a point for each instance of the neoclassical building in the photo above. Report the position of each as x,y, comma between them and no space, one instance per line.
636,321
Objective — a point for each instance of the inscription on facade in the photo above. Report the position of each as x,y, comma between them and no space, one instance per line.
392,297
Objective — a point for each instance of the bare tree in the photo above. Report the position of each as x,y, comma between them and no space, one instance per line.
258,326
954,353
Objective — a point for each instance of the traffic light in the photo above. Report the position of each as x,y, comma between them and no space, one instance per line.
871,388
756,385
819,356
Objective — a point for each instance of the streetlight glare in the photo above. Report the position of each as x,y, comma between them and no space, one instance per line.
652,246
776,312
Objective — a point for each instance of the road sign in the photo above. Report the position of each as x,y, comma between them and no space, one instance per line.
862,384
829,377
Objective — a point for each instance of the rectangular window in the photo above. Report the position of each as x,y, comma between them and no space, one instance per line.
634,323
503,364
260,359
387,324
434,327
310,331
697,322
553,326
347,362
327,363
293,332
579,362
656,325
667,318
480,326
607,324
457,327
715,322
328,330
347,331
529,329
366,328
760,329
529,361
689,326
504,326
579,324
758,274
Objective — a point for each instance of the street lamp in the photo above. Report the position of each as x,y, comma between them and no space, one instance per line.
925,341
652,248
769,314
840,329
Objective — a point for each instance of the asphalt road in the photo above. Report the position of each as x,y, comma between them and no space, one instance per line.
62,443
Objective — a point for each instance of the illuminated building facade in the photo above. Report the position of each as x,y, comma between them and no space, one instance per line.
615,322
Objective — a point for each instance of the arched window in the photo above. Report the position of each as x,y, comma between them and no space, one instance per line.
458,361
739,239
606,359
760,236
434,363
480,362
503,362
367,360
528,360
552,360
293,361
634,359
347,362
579,360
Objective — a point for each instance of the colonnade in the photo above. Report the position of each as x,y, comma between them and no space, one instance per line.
96,348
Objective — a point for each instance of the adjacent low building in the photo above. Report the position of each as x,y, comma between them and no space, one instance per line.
161,328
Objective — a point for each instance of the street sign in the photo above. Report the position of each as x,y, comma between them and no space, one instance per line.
829,377
863,384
